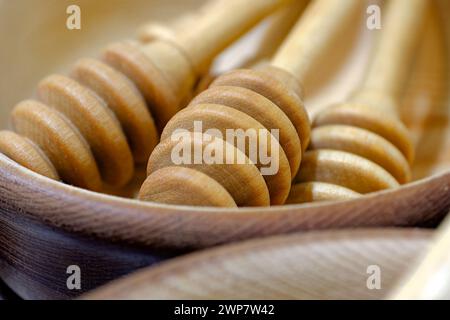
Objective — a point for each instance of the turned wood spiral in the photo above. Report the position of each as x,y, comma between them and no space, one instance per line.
90,128
244,99
362,146
269,97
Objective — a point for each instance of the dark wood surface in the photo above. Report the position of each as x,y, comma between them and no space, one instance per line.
35,258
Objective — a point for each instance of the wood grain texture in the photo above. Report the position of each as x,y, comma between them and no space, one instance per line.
328,265
224,22
67,150
275,85
222,118
184,186
428,278
319,191
105,115
166,71
371,149
34,258
27,154
78,214
164,226
124,100
243,181
97,124
223,107
312,36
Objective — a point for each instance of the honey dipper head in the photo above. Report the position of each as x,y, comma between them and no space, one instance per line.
377,120
279,87
184,186
160,70
242,181
284,77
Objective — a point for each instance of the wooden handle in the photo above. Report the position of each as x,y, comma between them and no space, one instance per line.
165,31
320,23
431,278
278,28
392,59
220,23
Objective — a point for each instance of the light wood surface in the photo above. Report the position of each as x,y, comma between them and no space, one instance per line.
371,149
312,35
105,113
428,279
84,226
277,86
122,235
329,265
224,22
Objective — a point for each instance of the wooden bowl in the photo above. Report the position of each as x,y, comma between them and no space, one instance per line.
317,265
46,226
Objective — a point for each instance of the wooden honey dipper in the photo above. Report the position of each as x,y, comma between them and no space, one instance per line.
362,146
88,129
269,97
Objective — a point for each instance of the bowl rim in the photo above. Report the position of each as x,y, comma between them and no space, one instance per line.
124,220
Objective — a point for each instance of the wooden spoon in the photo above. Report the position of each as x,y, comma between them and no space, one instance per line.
320,265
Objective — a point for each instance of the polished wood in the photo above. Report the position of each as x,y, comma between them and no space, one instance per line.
327,265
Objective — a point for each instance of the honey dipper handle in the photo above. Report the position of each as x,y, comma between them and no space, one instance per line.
321,22
431,278
220,23
392,58
276,31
